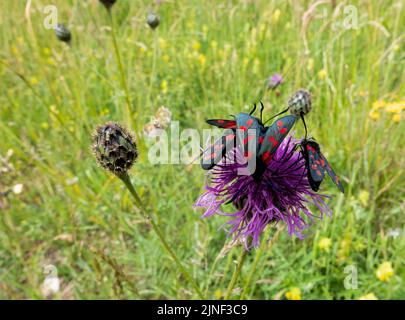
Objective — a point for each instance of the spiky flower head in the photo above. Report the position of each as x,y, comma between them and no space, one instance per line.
281,194
153,20
63,33
115,148
300,102
108,3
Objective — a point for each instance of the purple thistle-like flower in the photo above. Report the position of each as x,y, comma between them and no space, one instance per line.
274,81
282,193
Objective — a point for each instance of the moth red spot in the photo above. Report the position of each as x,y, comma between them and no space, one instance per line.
218,146
248,154
231,124
267,156
279,123
318,173
213,155
243,128
273,141
247,139
220,121
322,163
261,139
229,137
317,162
249,122
314,166
283,130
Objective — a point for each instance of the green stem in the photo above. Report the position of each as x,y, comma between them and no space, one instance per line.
235,275
264,247
252,271
155,227
121,68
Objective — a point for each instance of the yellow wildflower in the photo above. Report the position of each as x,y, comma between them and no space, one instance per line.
364,196
276,16
395,107
322,74
374,115
324,244
385,271
396,118
164,86
218,294
293,294
46,51
378,104
166,58
34,81
368,296
196,46
202,59
214,44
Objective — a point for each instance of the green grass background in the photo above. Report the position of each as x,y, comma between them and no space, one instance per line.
206,59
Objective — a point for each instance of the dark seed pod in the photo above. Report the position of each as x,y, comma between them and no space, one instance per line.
63,33
153,20
108,3
300,102
114,148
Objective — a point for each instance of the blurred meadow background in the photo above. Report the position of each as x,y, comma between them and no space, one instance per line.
206,59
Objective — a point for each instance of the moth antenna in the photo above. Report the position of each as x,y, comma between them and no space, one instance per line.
276,115
261,111
253,110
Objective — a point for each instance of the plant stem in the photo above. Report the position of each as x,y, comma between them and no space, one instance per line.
256,260
235,275
127,181
263,247
121,68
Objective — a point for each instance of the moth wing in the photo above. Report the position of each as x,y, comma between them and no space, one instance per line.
245,125
213,154
222,123
273,136
332,174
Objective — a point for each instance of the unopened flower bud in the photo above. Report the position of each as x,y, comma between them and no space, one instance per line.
300,102
63,33
108,3
114,148
153,20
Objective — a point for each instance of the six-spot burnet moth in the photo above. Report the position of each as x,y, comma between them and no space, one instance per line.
267,140
244,131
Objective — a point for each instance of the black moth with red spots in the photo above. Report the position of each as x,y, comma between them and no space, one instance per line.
317,164
240,132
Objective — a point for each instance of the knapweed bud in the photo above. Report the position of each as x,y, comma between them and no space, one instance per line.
153,20
114,148
300,102
63,33
108,3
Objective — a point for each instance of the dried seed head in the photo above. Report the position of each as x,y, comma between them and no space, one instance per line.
63,33
114,148
108,3
300,102
153,20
